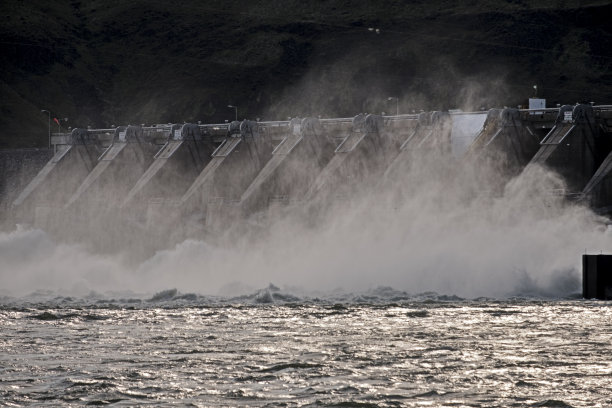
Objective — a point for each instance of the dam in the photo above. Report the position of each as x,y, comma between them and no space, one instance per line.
160,184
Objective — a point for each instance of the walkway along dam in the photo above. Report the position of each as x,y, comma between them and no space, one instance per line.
157,185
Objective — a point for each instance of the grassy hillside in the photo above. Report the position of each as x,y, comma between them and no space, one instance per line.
108,62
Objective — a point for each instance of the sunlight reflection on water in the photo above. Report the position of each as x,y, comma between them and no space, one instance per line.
460,353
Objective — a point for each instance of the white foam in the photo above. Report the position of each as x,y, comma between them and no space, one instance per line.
445,236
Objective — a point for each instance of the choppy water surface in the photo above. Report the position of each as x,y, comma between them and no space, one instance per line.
276,350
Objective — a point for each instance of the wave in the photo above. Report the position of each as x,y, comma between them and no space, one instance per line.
338,301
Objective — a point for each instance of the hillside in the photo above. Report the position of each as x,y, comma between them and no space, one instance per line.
101,63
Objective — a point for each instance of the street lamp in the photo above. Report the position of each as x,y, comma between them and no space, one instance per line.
49,125
235,108
396,104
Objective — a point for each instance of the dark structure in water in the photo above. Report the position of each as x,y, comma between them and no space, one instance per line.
597,277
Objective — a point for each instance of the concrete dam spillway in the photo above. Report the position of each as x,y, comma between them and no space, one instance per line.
157,185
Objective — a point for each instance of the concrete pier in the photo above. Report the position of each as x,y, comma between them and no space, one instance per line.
429,135
234,165
507,139
575,147
175,166
363,154
60,177
597,277
296,161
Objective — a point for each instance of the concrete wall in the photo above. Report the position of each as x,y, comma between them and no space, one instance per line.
17,168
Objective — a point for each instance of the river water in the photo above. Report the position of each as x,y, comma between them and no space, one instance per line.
379,348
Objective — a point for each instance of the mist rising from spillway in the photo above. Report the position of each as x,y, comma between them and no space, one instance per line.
430,230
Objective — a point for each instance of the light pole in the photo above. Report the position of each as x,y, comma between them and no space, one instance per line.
396,104
49,117
235,108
